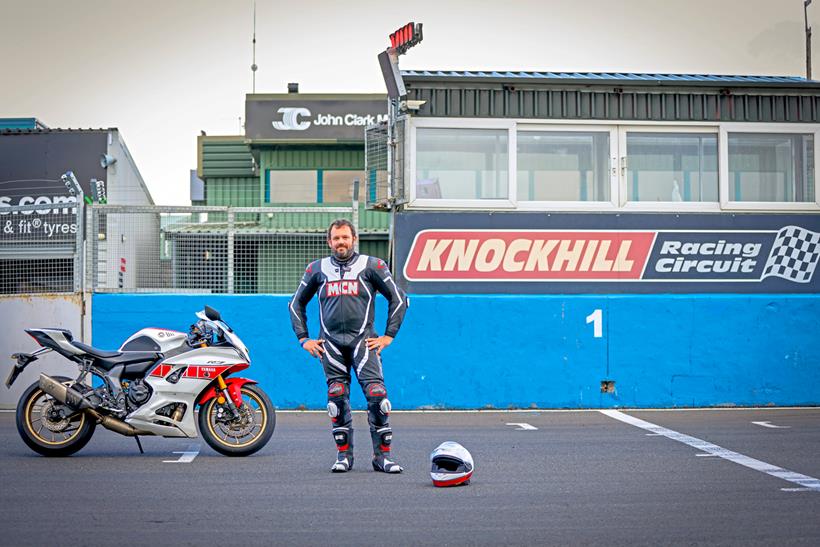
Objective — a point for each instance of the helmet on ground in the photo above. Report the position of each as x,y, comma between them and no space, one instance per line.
452,465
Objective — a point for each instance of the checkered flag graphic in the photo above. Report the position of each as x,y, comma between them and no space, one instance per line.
794,255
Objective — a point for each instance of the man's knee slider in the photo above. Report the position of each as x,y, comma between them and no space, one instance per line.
377,397
338,406
377,402
376,391
336,389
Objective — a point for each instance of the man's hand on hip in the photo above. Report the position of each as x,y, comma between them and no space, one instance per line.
314,347
379,343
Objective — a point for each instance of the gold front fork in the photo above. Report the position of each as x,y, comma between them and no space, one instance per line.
225,397
223,390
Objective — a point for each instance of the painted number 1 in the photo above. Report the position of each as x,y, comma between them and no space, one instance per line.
596,318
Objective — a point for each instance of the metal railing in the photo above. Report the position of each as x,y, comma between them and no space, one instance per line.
72,247
205,249
385,164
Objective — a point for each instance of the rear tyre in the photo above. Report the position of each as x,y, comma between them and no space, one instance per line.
45,430
242,436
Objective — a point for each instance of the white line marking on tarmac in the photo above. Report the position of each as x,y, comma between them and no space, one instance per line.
801,480
557,410
186,456
772,426
524,426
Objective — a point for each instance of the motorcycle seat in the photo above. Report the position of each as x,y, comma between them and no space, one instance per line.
110,359
94,352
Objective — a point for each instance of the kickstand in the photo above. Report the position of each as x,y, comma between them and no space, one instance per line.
139,444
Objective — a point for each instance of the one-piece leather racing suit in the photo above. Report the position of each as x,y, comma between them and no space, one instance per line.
347,293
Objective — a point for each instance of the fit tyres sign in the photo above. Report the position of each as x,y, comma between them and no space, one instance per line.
767,253
302,117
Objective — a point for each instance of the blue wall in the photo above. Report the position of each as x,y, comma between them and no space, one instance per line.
471,351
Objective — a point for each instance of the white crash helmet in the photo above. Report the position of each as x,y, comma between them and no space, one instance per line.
452,465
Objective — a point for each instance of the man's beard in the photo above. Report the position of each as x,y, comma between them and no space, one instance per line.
342,253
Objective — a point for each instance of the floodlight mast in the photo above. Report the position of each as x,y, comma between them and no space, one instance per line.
401,40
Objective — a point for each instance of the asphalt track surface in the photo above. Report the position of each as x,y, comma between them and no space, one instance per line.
580,478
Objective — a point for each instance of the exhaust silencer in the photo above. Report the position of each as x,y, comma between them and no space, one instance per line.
74,398
63,393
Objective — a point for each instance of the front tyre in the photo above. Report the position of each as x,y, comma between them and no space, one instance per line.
48,427
242,436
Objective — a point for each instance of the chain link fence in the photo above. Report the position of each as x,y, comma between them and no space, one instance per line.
385,165
205,249
375,159
141,248
40,249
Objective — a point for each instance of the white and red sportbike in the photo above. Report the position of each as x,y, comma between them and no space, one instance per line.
151,386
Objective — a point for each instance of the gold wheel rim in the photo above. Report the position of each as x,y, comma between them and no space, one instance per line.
36,430
224,440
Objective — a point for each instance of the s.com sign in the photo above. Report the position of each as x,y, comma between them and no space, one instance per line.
781,257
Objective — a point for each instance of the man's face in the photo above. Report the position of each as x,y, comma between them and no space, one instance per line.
341,241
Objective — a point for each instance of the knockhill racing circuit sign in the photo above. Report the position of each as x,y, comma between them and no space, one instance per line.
300,117
778,259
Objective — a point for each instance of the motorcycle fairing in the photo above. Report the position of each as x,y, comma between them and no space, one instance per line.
56,339
154,339
186,390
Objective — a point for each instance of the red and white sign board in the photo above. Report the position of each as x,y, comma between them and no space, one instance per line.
527,255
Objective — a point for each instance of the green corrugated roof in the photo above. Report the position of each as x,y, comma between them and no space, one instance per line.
312,157
224,156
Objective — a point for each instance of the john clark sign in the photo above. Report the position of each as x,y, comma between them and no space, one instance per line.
505,260
300,117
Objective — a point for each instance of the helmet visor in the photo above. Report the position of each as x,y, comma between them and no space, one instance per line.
448,464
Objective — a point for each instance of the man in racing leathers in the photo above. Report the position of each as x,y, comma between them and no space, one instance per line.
347,283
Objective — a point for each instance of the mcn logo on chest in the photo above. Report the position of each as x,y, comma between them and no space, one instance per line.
343,288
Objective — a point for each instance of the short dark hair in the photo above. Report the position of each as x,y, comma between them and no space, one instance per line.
338,223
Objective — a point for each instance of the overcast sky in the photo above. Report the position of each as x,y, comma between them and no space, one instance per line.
162,70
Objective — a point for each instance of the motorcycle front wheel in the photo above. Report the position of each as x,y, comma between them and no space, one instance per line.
44,426
238,436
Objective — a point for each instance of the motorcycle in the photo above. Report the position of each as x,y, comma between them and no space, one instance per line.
151,386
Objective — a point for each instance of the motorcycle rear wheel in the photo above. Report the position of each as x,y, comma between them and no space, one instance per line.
44,433
244,436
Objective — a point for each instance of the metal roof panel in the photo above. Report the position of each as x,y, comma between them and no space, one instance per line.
611,77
